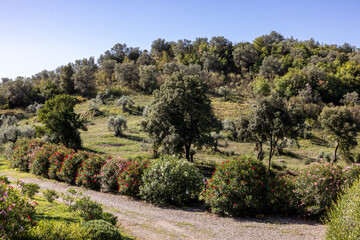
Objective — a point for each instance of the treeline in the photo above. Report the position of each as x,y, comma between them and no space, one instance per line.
270,63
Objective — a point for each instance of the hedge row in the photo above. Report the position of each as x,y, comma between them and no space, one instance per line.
239,187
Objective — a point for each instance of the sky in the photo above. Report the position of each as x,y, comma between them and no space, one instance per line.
45,34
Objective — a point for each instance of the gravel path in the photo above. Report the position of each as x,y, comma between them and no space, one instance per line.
146,221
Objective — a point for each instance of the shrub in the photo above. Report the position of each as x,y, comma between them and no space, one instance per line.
28,189
171,181
117,124
39,159
130,179
100,229
344,216
70,166
50,195
59,230
87,209
4,179
316,187
89,172
16,212
109,174
237,187
56,161
351,173
19,155
125,102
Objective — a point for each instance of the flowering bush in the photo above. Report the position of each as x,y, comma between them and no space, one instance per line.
71,164
237,187
343,218
171,181
39,159
16,212
56,161
89,171
316,187
130,178
19,157
109,174
351,173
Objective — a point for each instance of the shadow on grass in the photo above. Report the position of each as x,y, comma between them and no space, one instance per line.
42,216
318,141
133,138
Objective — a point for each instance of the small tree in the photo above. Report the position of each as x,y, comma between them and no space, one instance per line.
117,124
225,92
339,123
61,121
125,101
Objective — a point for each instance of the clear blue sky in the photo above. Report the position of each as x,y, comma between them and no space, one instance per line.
44,34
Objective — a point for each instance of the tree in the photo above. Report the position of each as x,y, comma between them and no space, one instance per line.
270,67
127,73
244,56
148,78
61,121
225,91
180,115
84,76
339,123
66,80
270,121
125,101
117,124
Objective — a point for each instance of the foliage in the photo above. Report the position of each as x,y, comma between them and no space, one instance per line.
317,187
100,229
351,173
130,178
59,230
50,195
237,188
87,209
19,157
56,161
71,164
16,212
109,174
339,123
61,121
125,102
89,171
117,124
28,189
225,92
180,115
260,87
148,78
171,181
344,217
39,159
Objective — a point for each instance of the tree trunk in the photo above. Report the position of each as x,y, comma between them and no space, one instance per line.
335,156
260,151
187,152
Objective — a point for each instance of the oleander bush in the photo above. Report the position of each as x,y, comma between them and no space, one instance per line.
89,171
19,155
100,229
343,220
317,187
351,173
56,161
130,178
71,164
109,174
237,188
39,159
171,181
16,212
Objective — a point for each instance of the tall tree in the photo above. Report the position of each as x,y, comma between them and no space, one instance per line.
66,80
180,115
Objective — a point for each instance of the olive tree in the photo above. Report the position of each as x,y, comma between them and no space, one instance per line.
117,124
339,123
180,115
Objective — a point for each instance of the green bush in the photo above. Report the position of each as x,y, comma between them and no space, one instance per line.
344,217
59,230
171,181
351,173
317,187
50,195
87,209
109,174
4,179
70,166
130,178
19,157
100,230
28,189
56,161
89,171
16,212
237,188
